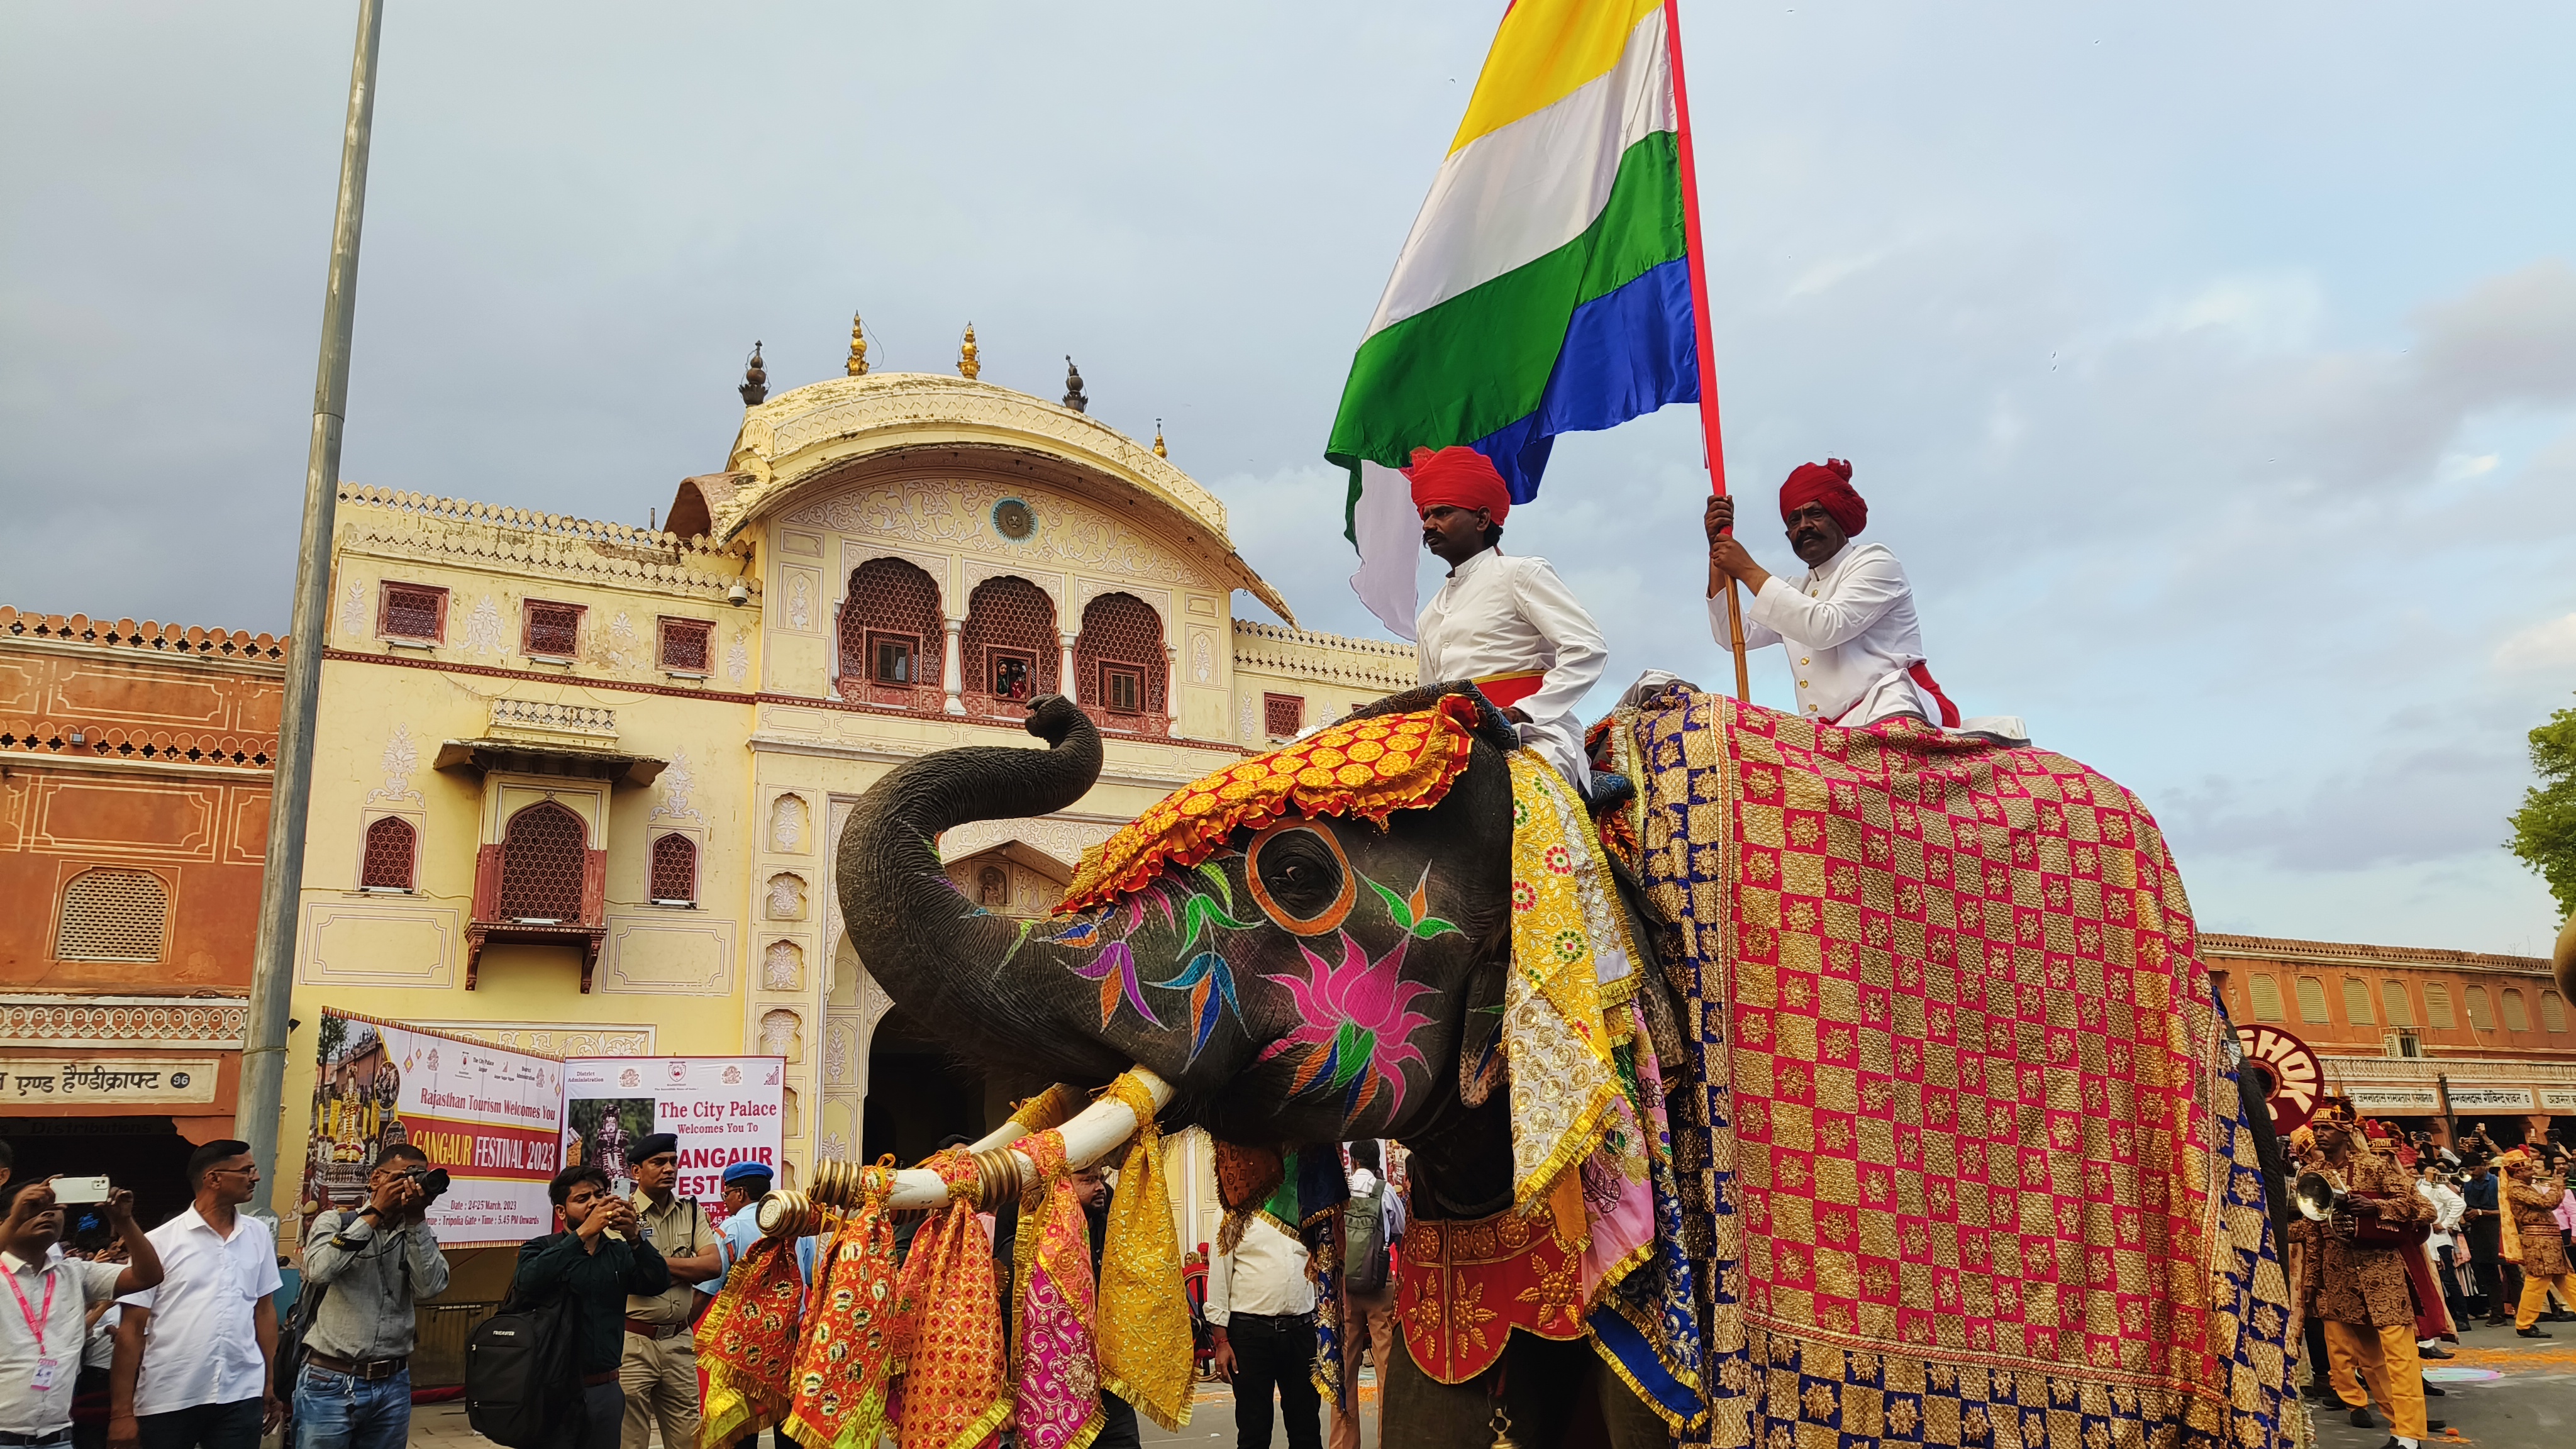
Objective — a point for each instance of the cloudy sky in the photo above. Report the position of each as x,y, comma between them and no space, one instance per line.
2211,367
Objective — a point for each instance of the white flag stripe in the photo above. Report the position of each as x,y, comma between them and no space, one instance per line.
1513,195
1388,530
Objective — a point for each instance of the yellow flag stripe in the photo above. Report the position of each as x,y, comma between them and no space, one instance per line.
1544,52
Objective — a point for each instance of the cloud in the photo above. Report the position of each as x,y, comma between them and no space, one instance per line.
2547,647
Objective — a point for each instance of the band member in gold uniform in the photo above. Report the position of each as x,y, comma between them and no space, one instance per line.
2359,1285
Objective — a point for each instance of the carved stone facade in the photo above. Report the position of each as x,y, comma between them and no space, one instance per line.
487,661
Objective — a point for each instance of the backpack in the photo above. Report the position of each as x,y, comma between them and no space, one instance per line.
523,1371
1364,1242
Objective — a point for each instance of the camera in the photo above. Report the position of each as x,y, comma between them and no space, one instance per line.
432,1182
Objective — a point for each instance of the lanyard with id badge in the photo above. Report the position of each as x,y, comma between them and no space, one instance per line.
46,1365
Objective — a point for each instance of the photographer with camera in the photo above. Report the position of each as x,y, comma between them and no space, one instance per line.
367,1269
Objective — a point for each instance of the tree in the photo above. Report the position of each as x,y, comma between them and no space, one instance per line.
2544,829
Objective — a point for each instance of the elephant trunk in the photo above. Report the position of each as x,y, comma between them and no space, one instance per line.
936,953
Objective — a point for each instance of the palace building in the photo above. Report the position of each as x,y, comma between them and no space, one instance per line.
578,785
134,790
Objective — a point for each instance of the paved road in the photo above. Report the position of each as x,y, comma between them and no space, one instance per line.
2500,1392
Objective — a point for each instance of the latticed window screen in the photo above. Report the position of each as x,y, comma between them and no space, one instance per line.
1121,629
1010,645
687,645
675,868
2267,998
2312,1000
113,915
392,847
2392,995
890,631
2515,1017
2437,1006
543,850
413,612
2479,1016
2553,1011
1282,715
554,630
2356,1001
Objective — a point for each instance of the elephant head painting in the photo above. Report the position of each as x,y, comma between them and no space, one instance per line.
1956,1155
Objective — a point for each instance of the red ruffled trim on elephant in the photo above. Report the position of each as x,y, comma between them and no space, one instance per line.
1369,768
1461,1288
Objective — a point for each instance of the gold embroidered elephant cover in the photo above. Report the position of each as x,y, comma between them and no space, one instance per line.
1965,1156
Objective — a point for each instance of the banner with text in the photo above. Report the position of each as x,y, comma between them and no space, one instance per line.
723,1110
491,1116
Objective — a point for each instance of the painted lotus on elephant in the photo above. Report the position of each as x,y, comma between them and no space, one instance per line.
1859,1083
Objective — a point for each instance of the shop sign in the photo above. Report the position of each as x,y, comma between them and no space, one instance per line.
2491,1099
114,1082
2397,1099
2558,1099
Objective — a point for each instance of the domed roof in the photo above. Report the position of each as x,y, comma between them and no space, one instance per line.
835,429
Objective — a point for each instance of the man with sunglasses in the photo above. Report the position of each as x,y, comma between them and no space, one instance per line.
193,1355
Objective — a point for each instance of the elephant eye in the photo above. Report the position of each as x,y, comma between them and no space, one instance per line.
1301,872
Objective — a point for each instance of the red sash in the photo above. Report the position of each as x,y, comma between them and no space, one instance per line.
1506,690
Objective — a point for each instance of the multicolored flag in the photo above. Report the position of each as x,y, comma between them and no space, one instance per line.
1546,286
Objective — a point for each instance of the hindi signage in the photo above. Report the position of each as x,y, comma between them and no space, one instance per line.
723,1110
492,1116
2558,1099
2410,1100
2490,1099
108,1082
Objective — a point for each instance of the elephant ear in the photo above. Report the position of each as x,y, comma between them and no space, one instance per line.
1480,1044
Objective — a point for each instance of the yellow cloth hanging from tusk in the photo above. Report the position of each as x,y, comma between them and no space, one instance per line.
1144,1320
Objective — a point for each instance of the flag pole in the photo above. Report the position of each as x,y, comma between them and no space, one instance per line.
1711,434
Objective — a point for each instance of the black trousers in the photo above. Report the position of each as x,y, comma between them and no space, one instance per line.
1275,1354
1117,1424
2502,1291
215,1426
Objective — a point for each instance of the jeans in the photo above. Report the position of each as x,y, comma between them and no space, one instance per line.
215,1426
336,1411
1274,1353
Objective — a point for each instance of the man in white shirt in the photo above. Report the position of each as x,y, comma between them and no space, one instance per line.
193,1355
1261,1309
44,1328
1855,645
1509,624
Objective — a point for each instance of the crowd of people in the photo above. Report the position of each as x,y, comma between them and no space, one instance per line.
2402,1245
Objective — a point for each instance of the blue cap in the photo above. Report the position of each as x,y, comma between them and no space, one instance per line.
739,1171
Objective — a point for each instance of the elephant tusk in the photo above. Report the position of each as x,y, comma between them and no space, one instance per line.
1093,1134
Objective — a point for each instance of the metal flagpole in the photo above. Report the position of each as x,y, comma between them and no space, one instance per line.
261,1102
1708,417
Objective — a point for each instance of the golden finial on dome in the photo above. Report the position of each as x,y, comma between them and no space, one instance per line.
967,366
858,348
1159,450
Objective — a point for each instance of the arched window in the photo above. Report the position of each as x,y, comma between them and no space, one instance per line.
543,849
113,915
2312,1000
2515,1017
2392,995
2356,1001
675,870
2478,1014
392,855
891,636
2437,1007
2553,1011
1010,646
2266,992
1122,670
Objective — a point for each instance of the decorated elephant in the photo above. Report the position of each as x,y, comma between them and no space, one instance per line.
1878,1095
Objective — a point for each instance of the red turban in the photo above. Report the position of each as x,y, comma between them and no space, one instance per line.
1828,483
1459,478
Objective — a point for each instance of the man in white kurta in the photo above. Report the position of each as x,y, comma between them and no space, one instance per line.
1508,623
1855,645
